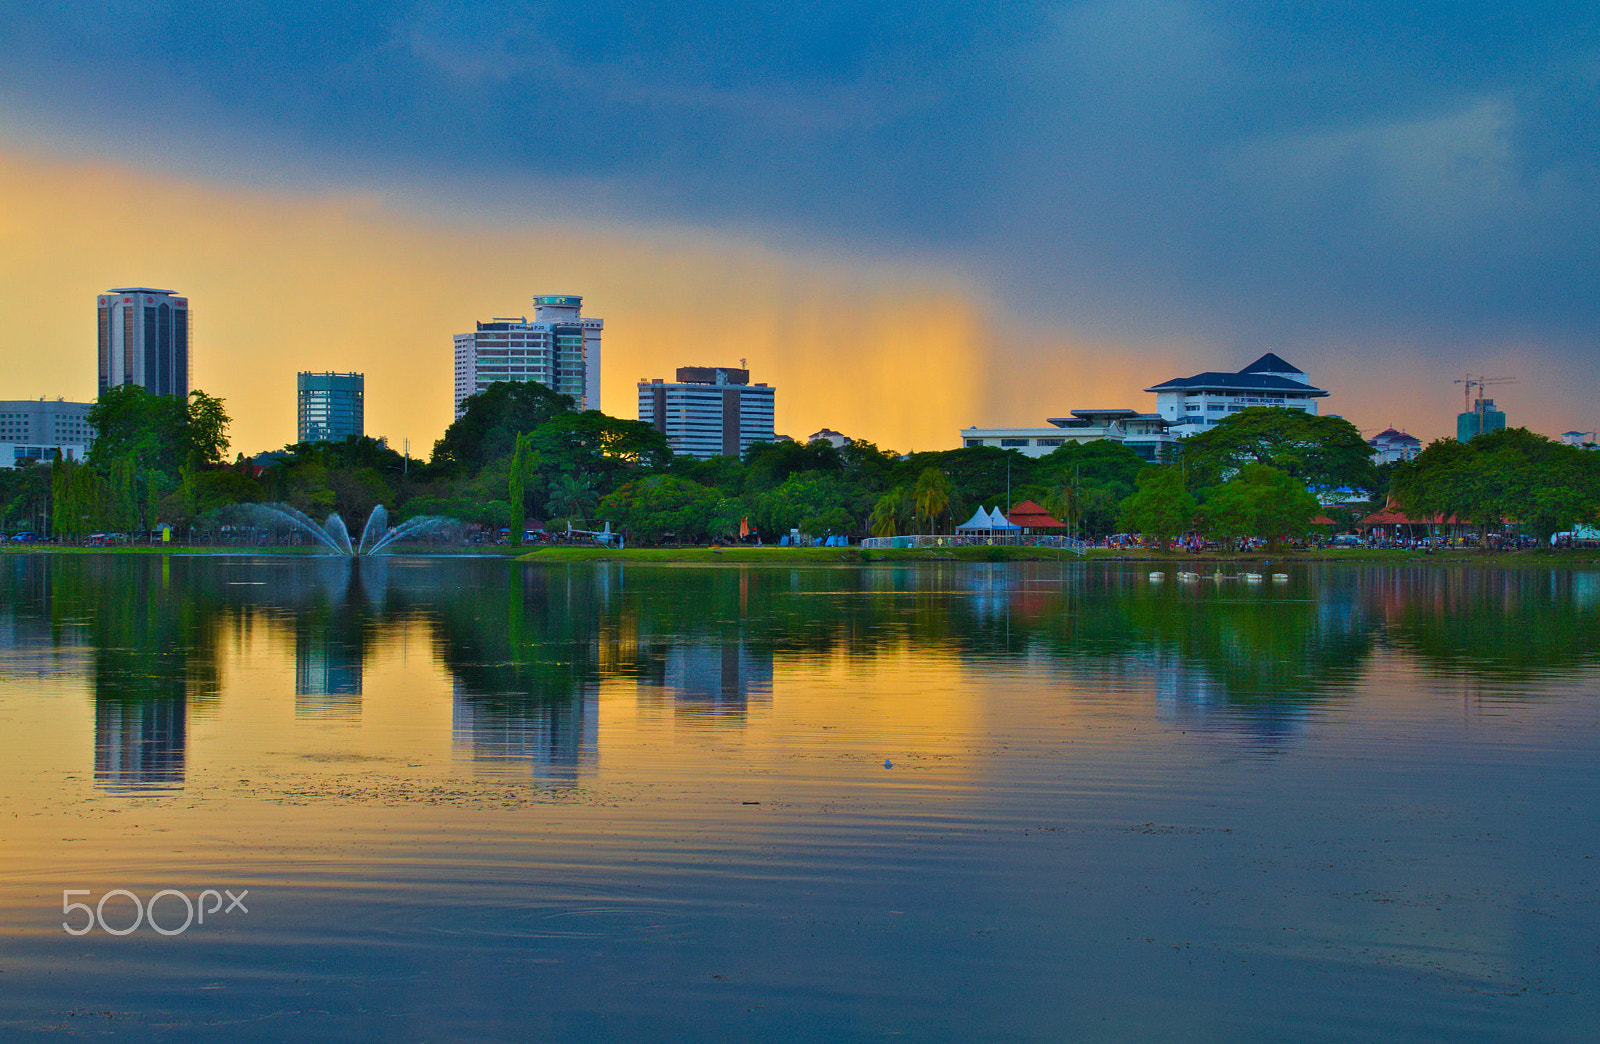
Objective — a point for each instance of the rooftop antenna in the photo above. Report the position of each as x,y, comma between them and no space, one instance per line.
743,364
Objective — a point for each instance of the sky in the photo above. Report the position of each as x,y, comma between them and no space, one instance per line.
909,217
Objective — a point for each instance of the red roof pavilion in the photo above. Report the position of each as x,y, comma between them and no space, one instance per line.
1029,515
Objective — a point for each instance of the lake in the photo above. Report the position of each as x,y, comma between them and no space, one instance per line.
413,799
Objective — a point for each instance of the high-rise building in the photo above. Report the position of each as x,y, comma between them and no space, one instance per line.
709,411
1480,420
144,340
330,407
560,349
34,429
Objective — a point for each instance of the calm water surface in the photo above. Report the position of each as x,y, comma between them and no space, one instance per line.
473,800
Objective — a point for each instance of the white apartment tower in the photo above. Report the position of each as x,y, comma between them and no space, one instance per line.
559,348
144,340
709,411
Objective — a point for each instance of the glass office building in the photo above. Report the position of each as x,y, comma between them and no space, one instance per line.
330,406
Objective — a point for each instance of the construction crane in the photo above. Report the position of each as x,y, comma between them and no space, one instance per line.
1479,382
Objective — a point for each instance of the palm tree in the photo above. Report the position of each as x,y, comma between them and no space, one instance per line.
932,494
572,495
1065,501
890,514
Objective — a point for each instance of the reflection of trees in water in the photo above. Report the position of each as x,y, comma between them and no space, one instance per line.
1261,653
1504,626
528,646
151,636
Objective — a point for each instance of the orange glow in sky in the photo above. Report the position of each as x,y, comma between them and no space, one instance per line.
901,354
280,283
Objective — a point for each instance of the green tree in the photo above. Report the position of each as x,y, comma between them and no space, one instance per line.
491,420
932,495
524,459
891,515
1259,501
1512,474
1323,452
1162,506
654,507
819,503
156,432
768,464
573,496
75,494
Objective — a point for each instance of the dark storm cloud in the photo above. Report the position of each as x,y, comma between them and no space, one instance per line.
1250,170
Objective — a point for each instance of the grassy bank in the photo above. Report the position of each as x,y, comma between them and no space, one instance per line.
842,556
214,549
854,556
798,555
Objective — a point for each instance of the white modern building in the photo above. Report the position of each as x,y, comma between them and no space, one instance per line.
836,439
708,411
1192,404
144,340
1390,445
1580,438
1146,434
34,429
560,349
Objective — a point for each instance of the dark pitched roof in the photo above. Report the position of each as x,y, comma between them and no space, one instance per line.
1270,363
1238,382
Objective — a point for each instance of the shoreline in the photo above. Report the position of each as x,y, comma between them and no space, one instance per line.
778,556
856,556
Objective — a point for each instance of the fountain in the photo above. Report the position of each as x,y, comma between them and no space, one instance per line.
376,536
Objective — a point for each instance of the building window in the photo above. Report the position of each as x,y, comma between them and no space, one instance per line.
1048,442
974,442
1013,442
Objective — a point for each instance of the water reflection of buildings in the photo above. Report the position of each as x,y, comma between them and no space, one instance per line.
327,675
711,684
140,745
555,737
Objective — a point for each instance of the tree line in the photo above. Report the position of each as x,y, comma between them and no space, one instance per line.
520,451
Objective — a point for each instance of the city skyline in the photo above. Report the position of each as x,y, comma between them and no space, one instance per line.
982,214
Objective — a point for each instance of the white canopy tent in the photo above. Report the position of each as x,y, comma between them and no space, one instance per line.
979,522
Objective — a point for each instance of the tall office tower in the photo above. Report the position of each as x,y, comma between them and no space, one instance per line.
560,349
709,411
144,340
330,406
